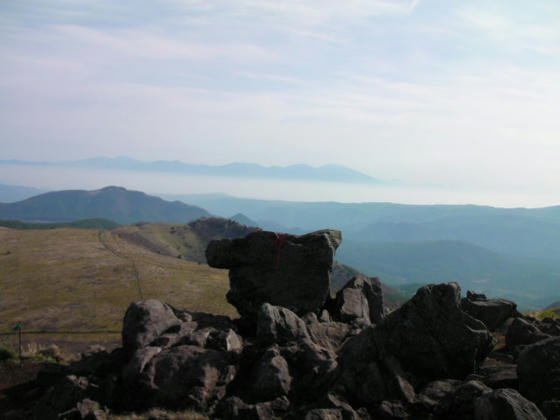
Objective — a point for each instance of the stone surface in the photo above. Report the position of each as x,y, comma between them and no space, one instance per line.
432,337
270,377
281,269
493,312
505,404
522,332
279,325
538,370
183,377
144,321
360,298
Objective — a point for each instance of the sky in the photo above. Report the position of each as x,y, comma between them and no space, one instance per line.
454,93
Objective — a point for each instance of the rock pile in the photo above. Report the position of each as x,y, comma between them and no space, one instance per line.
299,353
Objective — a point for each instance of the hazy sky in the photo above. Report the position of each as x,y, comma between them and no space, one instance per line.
464,93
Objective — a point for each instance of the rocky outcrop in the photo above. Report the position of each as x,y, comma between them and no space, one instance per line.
433,337
505,404
493,312
539,370
280,269
298,353
360,300
521,333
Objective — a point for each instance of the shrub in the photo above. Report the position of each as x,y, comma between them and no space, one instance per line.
547,314
6,353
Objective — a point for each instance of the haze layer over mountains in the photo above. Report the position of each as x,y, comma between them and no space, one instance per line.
502,252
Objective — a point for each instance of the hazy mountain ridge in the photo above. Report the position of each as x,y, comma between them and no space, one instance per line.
325,173
13,193
113,203
533,233
493,250
531,283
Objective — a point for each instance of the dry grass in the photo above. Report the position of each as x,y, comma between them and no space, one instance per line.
77,279
158,414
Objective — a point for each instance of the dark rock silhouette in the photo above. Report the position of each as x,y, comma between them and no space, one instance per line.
298,353
493,312
286,270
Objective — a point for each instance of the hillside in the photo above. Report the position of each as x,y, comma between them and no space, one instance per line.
13,193
533,233
113,203
80,224
531,283
187,241
76,279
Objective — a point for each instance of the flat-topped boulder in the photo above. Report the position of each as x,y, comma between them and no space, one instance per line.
281,269
493,312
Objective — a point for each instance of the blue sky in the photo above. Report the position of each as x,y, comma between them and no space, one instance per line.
454,92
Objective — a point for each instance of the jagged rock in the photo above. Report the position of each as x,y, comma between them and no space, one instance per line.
367,374
474,296
327,334
432,337
312,367
551,409
538,370
460,404
332,407
271,377
63,397
392,410
502,377
428,336
177,359
505,404
550,326
493,312
235,408
144,321
436,391
522,332
361,298
281,269
183,377
278,325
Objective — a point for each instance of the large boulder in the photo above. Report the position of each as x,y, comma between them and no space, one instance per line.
144,321
521,333
360,299
538,370
505,404
428,337
177,359
432,337
281,269
493,312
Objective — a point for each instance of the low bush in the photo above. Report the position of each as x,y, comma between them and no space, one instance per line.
6,353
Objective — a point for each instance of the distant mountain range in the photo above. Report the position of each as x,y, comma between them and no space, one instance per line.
12,193
326,173
501,252
114,203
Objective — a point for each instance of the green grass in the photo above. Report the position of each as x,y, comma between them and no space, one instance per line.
554,314
159,414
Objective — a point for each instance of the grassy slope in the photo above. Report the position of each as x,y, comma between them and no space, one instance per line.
85,279
167,239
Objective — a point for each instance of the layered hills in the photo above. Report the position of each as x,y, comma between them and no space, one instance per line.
497,251
114,203
325,173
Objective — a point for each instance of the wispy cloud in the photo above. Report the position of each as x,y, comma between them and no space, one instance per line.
144,44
